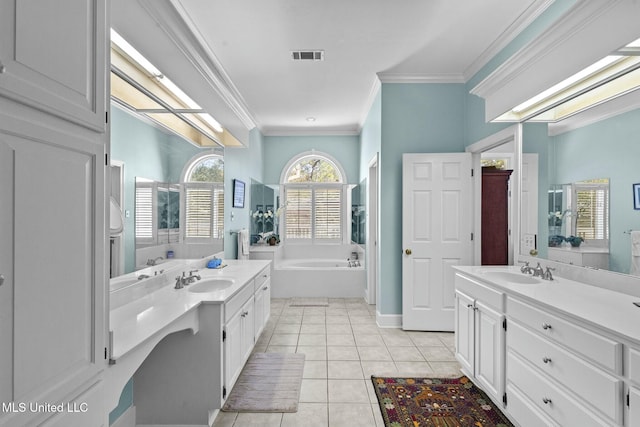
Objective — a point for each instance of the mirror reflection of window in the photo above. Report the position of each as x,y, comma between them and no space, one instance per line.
204,199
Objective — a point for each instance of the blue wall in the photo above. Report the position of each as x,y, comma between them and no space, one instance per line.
606,149
241,163
371,135
278,150
416,118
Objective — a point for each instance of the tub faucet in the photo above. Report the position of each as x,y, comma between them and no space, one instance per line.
153,261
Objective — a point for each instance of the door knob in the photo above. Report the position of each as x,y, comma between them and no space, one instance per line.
407,251
1,279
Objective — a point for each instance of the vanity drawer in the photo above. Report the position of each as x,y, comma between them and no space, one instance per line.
238,300
601,350
547,397
602,390
261,278
479,291
525,411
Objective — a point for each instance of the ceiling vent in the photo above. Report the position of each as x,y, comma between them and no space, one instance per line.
307,55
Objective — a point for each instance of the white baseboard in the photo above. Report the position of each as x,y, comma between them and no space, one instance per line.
388,320
127,419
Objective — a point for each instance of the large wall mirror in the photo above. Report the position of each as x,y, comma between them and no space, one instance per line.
264,206
585,180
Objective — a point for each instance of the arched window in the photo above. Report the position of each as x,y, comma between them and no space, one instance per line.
204,198
314,197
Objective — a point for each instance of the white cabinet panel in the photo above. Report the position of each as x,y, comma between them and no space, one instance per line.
54,57
7,154
489,349
464,332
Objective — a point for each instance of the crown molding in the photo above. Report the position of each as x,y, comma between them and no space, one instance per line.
420,78
523,21
310,132
173,19
603,111
373,93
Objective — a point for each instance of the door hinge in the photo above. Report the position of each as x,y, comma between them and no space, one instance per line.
224,335
471,236
106,159
106,117
224,392
627,398
504,399
471,172
105,353
504,324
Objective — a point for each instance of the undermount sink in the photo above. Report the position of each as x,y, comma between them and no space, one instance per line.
211,285
512,277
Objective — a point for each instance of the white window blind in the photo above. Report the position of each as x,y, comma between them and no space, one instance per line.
327,209
144,213
201,219
592,221
299,212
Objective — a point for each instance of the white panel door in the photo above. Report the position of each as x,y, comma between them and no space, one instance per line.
529,220
436,235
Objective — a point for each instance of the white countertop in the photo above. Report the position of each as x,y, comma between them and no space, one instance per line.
134,322
584,249
602,308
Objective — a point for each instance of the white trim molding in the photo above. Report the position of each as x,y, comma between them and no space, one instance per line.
388,320
587,32
421,78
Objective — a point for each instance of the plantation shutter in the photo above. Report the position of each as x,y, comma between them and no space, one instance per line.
144,213
328,213
218,213
198,210
298,213
592,222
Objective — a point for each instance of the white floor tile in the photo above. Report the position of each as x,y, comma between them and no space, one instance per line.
344,369
308,415
348,391
313,391
350,415
342,352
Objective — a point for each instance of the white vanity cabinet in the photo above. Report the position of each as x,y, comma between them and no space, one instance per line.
582,256
480,334
633,388
560,370
262,300
238,335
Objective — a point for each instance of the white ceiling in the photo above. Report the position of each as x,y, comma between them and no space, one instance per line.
407,40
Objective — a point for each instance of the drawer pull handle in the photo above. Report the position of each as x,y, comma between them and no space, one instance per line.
546,360
546,326
546,401
265,288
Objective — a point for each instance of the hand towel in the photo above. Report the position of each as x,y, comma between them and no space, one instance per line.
635,253
243,244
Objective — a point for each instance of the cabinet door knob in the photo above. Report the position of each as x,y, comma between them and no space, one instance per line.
546,326
265,288
546,401
546,360
1,279
407,251
2,68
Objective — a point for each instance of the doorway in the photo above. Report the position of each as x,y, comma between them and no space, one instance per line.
372,293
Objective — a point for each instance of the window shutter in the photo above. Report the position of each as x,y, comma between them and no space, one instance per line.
198,211
218,214
144,213
592,221
298,213
328,218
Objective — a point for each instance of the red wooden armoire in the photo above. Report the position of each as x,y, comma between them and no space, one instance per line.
495,216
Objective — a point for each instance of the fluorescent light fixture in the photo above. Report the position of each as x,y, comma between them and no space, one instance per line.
143,62
130,51
610,77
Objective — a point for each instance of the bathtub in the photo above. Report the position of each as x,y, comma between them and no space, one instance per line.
317,277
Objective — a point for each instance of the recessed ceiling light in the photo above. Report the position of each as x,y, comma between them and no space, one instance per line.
311,119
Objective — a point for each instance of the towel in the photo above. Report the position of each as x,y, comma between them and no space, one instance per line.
243,244
635,253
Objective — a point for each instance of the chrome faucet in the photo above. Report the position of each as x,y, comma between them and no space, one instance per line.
192,277
538,271
526,269
547,274
153,261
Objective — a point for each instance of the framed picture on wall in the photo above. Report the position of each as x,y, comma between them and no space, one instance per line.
238,193
636,196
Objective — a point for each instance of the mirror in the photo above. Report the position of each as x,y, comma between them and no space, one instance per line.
358,217
582,203
264,203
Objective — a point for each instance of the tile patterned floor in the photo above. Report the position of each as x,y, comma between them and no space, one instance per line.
343,348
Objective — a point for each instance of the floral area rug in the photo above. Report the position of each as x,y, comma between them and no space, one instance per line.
436,402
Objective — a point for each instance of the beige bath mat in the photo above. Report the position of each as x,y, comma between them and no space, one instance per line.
309,302
269,382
